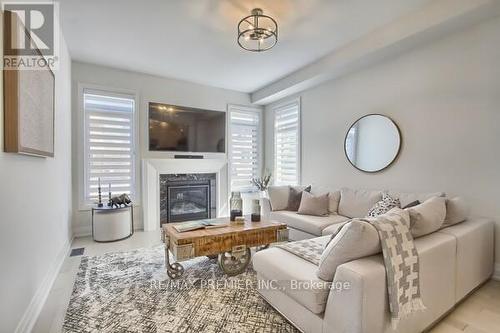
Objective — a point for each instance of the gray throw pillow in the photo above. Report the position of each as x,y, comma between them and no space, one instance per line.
412,204
314,205
295,197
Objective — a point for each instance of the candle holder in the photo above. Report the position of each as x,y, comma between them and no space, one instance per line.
109,195
99,203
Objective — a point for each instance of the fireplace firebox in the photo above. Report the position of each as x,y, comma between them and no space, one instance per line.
187,197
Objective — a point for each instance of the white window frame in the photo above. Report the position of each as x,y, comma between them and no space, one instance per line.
84,204
260,137
274,108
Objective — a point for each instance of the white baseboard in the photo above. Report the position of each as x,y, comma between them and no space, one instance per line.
496,273
82,230
31,314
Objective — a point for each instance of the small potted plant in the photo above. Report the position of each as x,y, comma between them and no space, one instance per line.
262,183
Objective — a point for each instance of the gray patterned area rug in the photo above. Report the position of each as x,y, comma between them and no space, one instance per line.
131,292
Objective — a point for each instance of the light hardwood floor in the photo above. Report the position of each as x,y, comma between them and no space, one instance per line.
480,313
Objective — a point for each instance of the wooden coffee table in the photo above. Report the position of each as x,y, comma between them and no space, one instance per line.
231,244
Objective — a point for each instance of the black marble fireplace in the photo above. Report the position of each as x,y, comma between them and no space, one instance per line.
186,197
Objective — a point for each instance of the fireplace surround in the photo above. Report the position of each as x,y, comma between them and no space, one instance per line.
185,197
153,168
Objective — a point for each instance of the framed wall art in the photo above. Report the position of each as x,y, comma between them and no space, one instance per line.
29,96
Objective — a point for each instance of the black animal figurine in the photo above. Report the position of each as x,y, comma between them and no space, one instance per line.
120,201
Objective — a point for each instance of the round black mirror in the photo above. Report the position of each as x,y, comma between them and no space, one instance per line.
372,143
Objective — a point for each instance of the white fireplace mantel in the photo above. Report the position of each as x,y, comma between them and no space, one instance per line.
153,168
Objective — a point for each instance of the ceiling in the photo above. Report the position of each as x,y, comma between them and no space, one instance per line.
195,40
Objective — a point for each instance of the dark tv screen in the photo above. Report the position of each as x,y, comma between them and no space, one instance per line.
184,129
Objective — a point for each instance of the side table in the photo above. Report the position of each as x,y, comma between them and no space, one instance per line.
112,224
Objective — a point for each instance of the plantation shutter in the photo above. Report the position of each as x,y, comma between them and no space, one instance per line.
244,148
287,143
109,144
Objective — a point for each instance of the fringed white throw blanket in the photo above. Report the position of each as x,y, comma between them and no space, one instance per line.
401,263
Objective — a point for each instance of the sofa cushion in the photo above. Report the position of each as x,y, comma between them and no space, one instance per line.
286,268
334,228
406,198
457,211
475,253
314,205
278,196
333,206
356,203
427,217
295,197
313,225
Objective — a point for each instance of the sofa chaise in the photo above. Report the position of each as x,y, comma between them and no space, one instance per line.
454,260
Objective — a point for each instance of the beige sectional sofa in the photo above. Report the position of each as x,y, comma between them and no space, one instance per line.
453,262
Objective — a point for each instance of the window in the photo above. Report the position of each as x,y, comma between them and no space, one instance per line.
109,144
287,143
244,146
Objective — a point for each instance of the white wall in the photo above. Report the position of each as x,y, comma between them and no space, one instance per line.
149,89
35,213
445,97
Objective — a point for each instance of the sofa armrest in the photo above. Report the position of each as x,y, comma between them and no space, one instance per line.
265,205
361,305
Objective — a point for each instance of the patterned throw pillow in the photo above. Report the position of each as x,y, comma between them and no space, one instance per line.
383,206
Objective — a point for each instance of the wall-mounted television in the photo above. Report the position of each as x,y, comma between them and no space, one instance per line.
184,129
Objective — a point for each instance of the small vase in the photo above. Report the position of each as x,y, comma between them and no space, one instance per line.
255,210
236,205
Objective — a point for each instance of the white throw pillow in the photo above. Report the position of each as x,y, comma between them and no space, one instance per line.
427,217
313,205
356,203
457,211
356,239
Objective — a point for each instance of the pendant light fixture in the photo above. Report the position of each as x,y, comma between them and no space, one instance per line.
257,32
